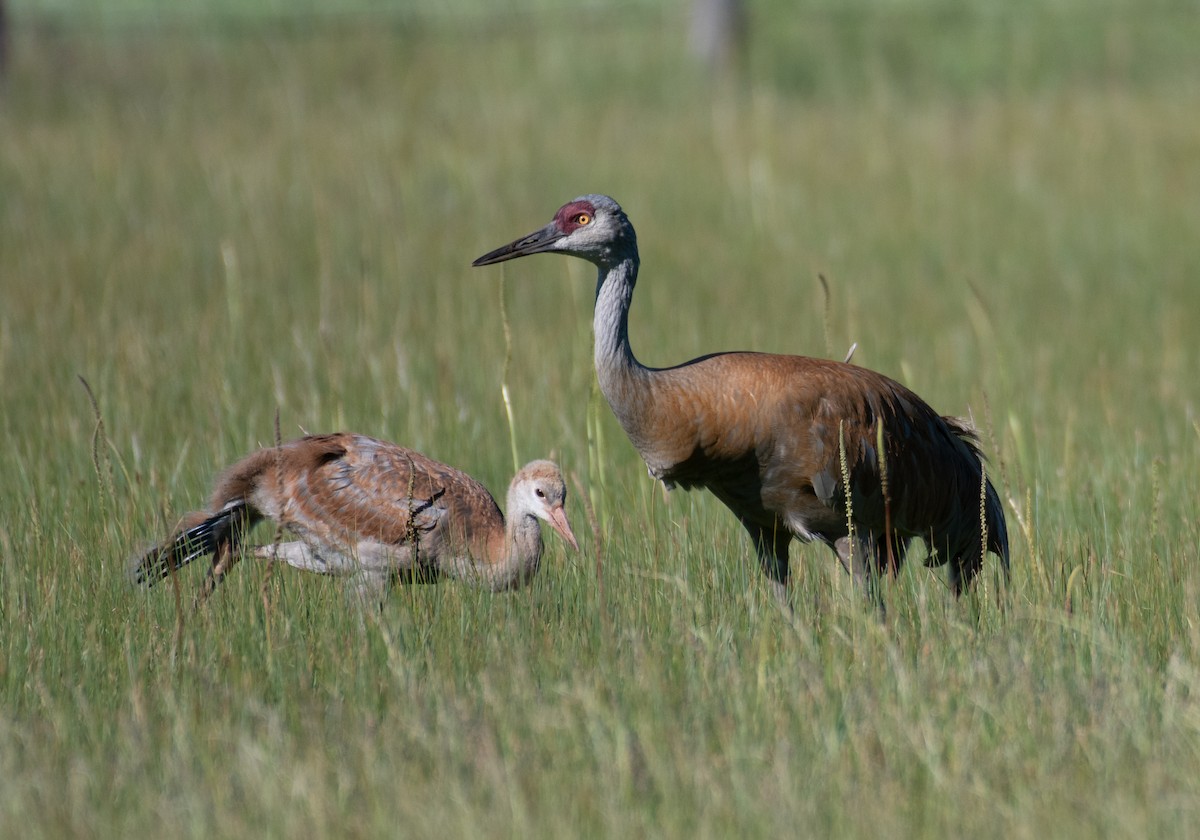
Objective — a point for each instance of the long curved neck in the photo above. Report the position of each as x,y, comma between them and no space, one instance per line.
517,561
616,366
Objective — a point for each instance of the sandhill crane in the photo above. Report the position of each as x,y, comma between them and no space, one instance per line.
796,447
371,510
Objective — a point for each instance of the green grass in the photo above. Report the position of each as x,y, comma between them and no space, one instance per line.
213,225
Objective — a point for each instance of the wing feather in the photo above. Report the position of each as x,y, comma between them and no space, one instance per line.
344,488
767,434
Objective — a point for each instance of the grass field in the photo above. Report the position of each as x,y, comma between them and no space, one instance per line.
215,220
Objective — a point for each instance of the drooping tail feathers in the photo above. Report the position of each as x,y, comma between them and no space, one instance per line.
967,561
981,527
199,535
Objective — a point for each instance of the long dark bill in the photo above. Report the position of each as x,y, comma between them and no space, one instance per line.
534,243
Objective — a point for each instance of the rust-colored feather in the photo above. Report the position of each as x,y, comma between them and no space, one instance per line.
766,434
341,488
794,446
371,509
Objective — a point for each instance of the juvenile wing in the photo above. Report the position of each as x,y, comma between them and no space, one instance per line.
349,488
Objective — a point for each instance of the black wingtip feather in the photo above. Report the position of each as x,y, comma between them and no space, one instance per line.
200,540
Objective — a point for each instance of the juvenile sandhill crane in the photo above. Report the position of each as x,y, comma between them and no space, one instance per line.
370,510
789,444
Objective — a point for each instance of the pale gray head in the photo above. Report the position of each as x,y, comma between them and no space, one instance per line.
539,490
593,227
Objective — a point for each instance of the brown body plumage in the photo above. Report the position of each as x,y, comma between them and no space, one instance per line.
790,444
371,510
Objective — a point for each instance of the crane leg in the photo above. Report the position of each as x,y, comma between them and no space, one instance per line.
771,546
963,569
860,557
962,557
367,589
224,559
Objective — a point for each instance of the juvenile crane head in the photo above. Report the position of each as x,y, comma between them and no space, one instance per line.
539,490
593,227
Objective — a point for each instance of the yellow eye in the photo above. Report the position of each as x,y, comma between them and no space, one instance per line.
582,219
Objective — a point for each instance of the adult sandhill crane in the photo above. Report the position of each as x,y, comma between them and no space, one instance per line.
371,510
792,445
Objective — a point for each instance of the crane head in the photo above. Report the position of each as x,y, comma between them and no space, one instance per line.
593,227
539,490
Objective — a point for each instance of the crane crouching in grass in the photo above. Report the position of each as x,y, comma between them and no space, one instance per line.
797,448
370,510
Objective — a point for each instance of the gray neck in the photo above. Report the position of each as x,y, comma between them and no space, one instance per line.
522,550
615,363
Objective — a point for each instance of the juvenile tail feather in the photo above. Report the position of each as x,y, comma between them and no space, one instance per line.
217,534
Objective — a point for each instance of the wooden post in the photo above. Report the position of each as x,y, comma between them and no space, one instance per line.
718,32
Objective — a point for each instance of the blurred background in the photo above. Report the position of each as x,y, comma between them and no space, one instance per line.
216,214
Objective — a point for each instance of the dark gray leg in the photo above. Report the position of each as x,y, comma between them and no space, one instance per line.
860,557
771,546
223,560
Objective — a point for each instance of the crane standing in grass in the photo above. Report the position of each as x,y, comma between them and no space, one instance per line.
796,447
371,510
